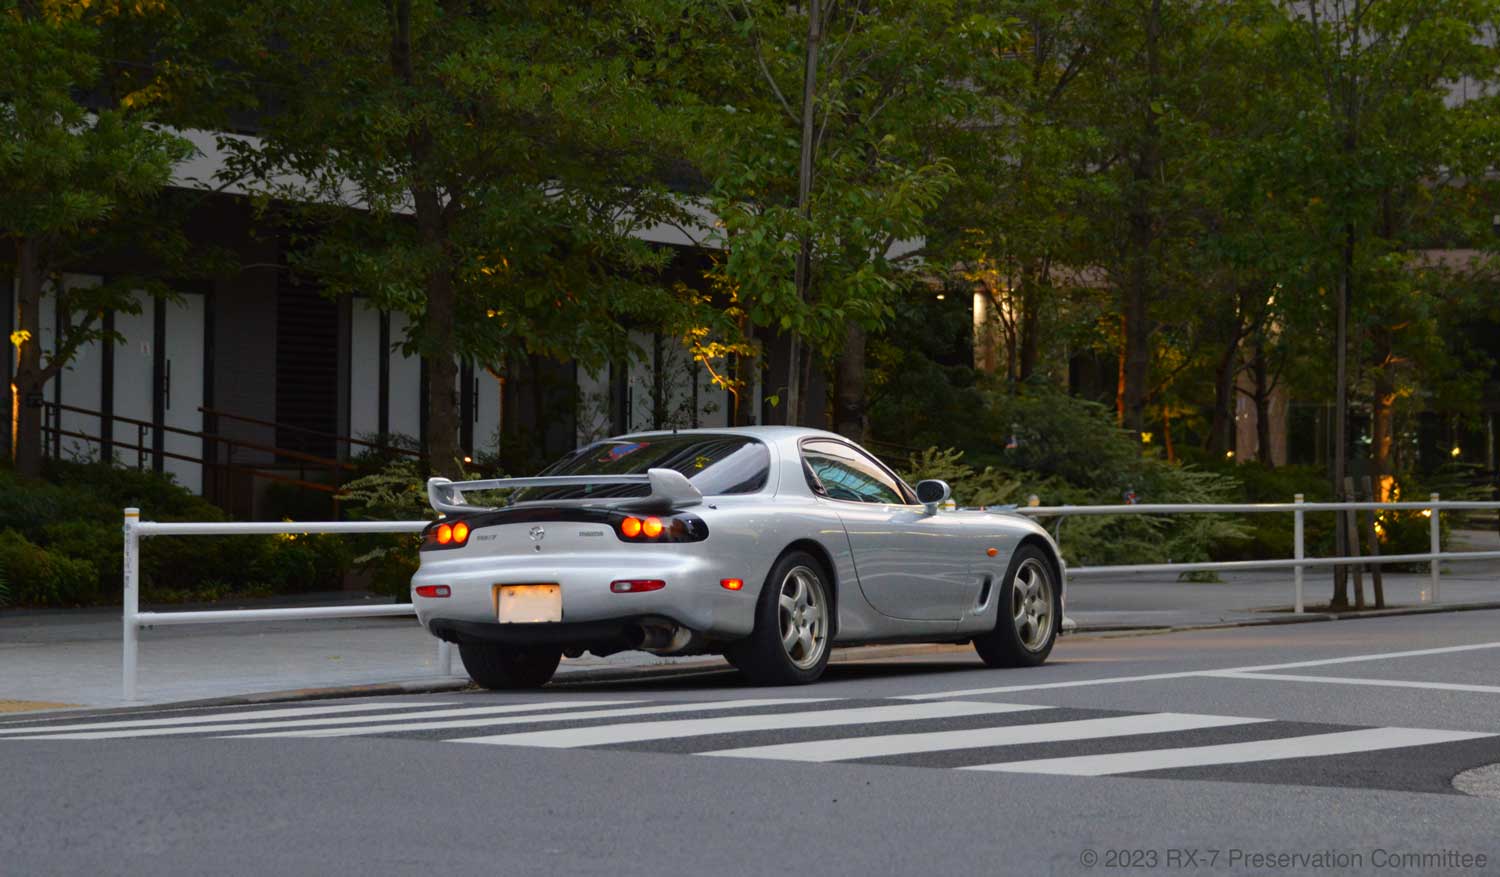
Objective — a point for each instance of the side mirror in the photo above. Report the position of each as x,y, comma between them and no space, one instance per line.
933,493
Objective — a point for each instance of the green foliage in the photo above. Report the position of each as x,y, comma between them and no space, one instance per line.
39,577
989,487
394,492
73,526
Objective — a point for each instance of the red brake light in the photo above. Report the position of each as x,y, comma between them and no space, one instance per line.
444,534
631,527
433,590
635,586
460,532
651,527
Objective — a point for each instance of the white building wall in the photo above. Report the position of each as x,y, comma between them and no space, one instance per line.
364,369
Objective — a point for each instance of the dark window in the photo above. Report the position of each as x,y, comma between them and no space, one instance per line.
838,471
716,464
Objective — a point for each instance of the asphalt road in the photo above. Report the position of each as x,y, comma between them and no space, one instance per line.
1312,748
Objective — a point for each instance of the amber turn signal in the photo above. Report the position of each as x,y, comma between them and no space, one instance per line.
651,527
731,584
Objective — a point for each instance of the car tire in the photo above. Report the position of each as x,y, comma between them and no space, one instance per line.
793,625
1029,613
501,667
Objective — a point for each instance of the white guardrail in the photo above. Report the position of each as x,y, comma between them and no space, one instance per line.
135,529
134,619
1299,561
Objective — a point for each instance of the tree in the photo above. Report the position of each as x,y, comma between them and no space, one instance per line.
820,136
1381,131
479,166
77,158
1012,223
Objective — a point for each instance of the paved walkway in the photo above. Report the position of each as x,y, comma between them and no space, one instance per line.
73,657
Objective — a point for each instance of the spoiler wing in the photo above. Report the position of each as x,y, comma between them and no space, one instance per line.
669,488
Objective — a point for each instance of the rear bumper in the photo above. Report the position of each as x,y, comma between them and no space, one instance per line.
591,612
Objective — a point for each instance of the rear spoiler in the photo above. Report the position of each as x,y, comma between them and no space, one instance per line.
669,488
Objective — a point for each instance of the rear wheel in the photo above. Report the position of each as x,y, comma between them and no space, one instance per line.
1030,610
793,625
501,667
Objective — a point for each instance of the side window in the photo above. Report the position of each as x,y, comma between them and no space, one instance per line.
846,474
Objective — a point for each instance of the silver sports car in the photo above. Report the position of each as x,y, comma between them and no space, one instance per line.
768,545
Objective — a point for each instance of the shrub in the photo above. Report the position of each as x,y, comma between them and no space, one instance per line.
38,577
970,488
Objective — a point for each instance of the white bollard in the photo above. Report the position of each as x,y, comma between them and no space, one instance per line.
131,604
1437,548
1298,552
445,657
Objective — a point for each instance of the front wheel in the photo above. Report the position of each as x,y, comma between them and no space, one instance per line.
793,625
1029,612
507,668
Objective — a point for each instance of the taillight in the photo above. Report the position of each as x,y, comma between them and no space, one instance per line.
433,590
635,586
650,528
445,534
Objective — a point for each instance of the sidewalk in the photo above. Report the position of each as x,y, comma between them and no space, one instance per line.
1161,601
72,657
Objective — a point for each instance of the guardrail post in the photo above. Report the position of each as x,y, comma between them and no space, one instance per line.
445,657
1298,551
131,604
1437,547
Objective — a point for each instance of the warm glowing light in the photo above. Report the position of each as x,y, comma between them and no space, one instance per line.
651,527
992,551
732,584
631,527
1229,455
468,459
1146,438
460,532
1426,513
444,534
940,296
1456,451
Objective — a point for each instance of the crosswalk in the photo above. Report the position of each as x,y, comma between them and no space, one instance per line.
967,734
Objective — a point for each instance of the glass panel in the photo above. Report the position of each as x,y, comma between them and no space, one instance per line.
716,464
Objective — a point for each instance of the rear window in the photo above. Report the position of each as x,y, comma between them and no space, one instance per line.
716,464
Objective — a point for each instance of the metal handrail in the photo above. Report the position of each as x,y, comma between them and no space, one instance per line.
1435,505
214,412
133,619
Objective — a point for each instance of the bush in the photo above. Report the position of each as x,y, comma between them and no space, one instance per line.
75,524
38,577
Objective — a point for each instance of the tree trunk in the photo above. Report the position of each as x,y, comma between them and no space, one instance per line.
29,378
1221,430
1030,328
1263,390
849,408
802,276
1141,219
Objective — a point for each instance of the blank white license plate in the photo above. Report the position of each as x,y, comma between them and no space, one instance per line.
528,604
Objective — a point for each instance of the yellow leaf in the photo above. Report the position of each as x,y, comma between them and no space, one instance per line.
19,337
